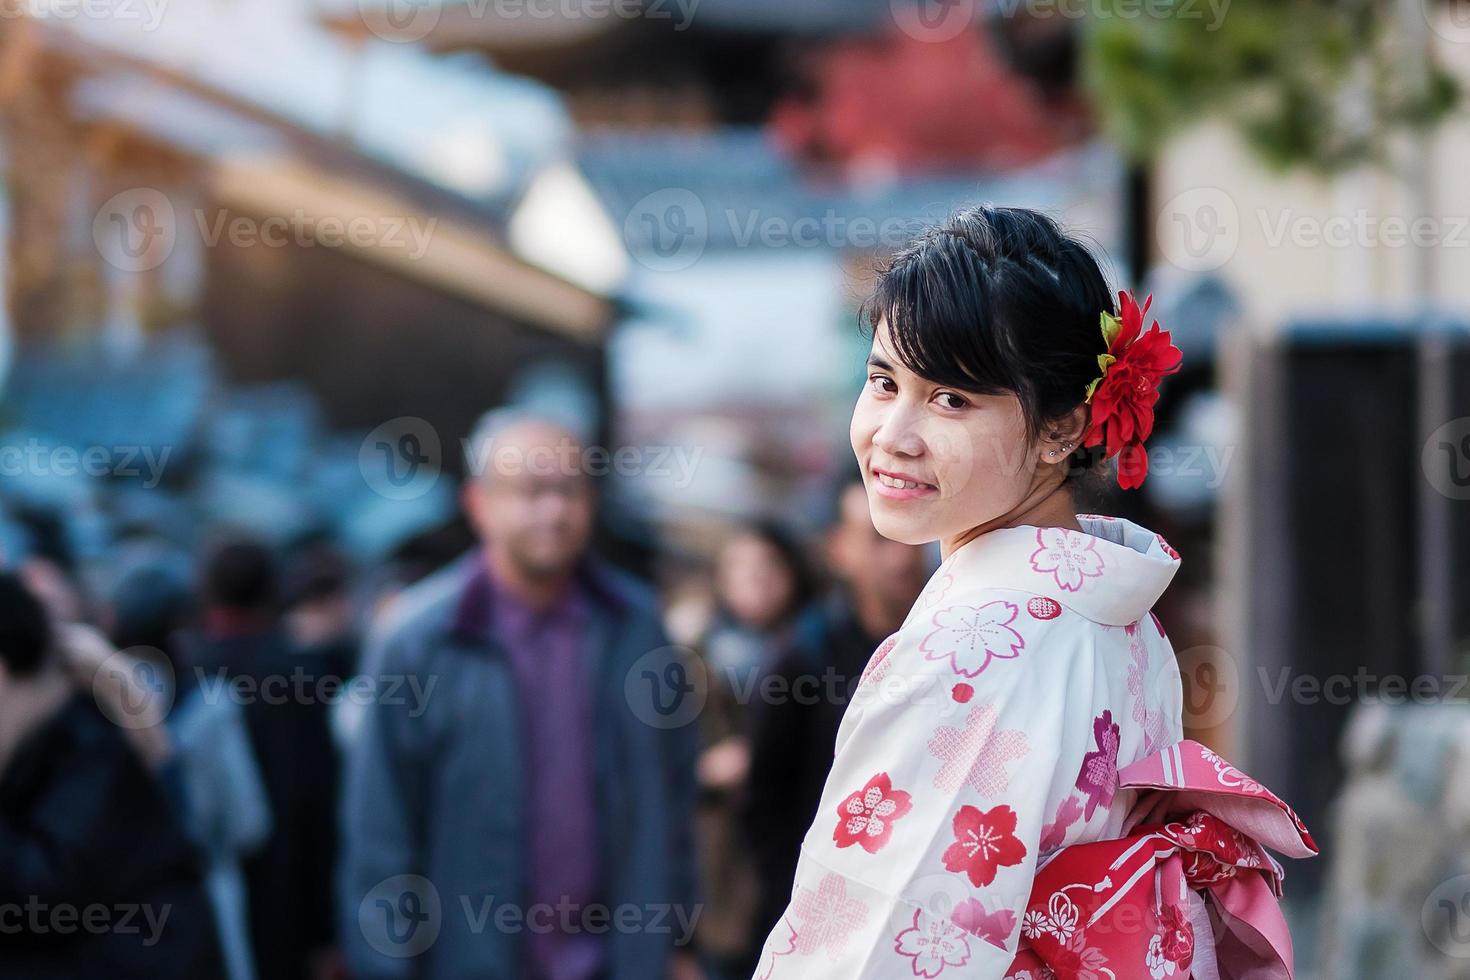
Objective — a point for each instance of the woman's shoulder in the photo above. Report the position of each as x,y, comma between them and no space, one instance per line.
975,633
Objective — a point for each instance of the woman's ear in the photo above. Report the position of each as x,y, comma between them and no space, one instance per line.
1064,435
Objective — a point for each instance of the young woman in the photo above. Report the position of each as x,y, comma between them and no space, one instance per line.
1005,800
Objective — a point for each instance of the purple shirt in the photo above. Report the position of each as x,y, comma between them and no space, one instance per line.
547,653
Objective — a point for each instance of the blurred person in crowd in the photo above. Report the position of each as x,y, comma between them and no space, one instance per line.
522,791
762,580
97,878
239,651
319,613
212,770
794,730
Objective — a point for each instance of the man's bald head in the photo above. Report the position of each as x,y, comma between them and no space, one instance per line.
529,494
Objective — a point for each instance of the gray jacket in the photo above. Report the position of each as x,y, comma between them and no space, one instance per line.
433,865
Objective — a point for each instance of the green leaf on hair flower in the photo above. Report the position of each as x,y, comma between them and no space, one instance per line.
1111,327
1104,361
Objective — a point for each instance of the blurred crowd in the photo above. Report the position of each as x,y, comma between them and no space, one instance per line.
257,762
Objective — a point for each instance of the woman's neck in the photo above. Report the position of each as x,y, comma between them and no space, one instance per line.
1047,505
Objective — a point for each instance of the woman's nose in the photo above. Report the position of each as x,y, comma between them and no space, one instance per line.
897,434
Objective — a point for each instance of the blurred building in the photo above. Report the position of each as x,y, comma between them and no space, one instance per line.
276,240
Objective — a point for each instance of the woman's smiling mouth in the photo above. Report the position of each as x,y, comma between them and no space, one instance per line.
900,486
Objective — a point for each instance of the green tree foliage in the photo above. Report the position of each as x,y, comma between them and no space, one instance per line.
1325,85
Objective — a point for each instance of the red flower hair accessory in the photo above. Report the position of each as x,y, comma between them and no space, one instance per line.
1123,396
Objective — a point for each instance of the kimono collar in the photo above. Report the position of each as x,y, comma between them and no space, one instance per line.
1111,572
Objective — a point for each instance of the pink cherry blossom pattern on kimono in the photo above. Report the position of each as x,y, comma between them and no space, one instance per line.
826,917
969,637
877,665
976,755
1099,776
866,818
1054,834
933,944
782,942
985,842
1071,556
993,927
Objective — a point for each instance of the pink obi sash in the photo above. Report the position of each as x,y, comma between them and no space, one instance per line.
1189,891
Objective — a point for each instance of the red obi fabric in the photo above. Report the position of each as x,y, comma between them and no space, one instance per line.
1188,892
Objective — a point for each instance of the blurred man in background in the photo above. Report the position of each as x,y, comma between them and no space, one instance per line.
498,823
795,730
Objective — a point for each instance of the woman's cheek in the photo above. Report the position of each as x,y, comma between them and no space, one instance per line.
860,430
951,448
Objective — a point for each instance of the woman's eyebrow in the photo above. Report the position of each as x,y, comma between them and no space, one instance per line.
876,360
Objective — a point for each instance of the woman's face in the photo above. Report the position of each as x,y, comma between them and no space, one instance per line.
936,461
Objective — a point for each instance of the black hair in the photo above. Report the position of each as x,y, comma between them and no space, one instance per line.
999,300
25,627
240,573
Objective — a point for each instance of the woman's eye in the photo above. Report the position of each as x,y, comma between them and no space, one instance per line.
950,400
880,383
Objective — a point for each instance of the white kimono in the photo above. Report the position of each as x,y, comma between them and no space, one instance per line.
985,734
